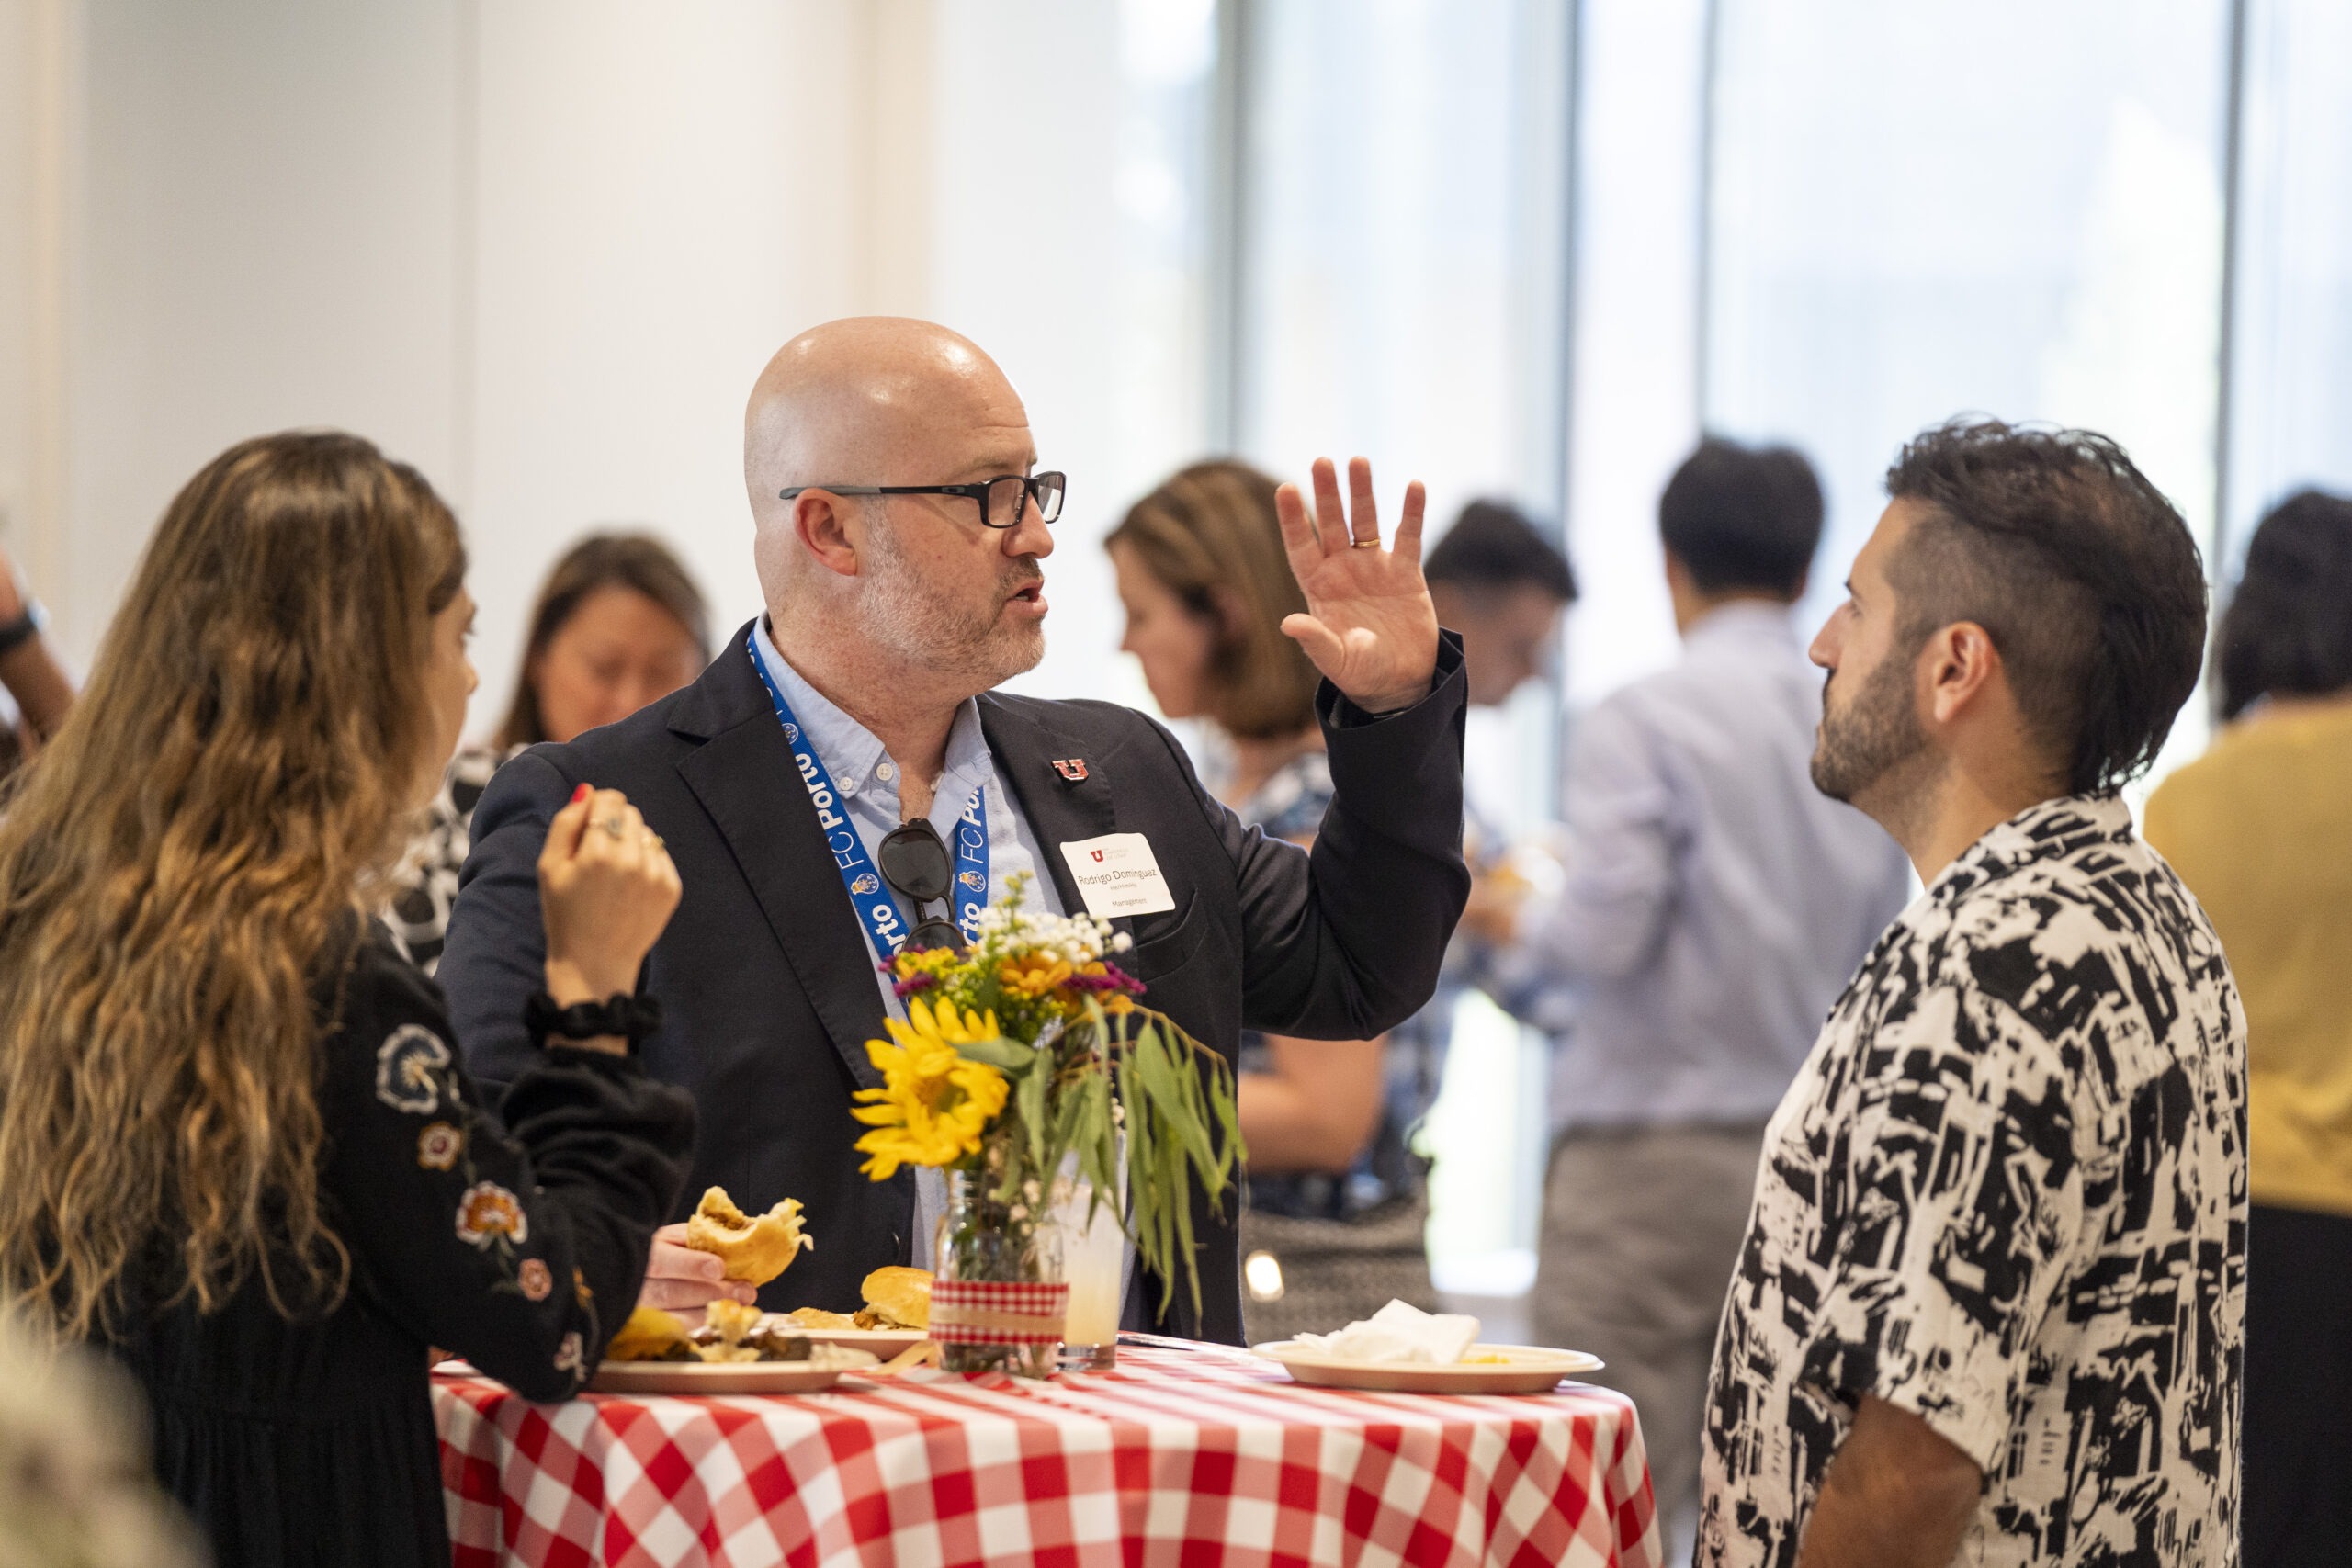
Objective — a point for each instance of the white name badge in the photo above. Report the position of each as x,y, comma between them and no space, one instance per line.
1118,876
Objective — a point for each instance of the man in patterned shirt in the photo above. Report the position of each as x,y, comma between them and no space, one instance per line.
1988,1308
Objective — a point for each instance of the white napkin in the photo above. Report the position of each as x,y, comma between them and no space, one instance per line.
1400,1332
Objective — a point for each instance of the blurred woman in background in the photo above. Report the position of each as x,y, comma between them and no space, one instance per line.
236,1147
1337,1202
2260,828
618,624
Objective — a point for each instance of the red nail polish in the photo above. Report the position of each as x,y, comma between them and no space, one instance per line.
579,794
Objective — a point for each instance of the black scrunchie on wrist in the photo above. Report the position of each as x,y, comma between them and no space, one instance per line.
633,1018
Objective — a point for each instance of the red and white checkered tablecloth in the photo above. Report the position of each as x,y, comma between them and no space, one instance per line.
1182,1455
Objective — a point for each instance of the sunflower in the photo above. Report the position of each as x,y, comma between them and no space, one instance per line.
933,1105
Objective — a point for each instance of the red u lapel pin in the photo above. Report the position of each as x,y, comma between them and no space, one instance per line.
1072,769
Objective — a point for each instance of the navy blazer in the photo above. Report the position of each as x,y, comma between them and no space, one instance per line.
767,985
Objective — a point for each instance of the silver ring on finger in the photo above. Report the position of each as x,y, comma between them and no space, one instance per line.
614,826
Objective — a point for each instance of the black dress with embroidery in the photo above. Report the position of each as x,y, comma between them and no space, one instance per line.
311,1441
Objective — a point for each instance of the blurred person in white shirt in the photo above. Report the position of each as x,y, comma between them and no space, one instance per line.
1713,905
76,1489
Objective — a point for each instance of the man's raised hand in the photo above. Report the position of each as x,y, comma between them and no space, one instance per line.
1369,625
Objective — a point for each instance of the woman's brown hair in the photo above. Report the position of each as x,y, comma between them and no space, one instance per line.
635,561
1212,538
180,871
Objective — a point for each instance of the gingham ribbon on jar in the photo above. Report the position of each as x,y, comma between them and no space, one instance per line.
997,1311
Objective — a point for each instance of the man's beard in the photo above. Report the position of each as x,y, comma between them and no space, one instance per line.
1868,737
925,628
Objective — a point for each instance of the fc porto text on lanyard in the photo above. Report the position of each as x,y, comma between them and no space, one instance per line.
886,927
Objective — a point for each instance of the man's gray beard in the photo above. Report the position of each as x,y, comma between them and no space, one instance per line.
1870,737
907,622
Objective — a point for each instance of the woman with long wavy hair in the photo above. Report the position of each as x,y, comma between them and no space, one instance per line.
236,1147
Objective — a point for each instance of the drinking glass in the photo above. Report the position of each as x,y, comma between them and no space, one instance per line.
1094,1266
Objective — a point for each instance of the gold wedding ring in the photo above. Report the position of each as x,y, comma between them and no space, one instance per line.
611,825
1371,544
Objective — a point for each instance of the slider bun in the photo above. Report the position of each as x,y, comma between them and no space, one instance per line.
817,1317
903,1295
755,1249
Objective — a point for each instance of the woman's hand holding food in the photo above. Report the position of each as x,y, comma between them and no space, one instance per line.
607,889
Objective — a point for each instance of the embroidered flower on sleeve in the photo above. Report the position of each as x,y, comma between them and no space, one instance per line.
438,1145
571,1356
535,1279
488,1211
409,1067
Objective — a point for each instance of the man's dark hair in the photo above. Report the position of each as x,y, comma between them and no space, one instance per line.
2079,569
1742,517
2288,625
1492,545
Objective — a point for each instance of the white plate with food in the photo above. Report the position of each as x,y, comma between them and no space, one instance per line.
884,1342
736,1350
711,1378
896,1316
1484,1368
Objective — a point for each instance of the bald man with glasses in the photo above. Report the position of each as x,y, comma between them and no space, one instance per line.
846,778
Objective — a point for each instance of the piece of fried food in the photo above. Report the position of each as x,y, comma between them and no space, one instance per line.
817,1317
647,1336
897,1297
755,1249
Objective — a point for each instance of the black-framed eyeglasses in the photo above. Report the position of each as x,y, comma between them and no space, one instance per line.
1004,501
915,862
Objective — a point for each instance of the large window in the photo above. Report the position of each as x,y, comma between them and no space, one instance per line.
1999,206
2290,388
1401,221
1530,248
1070,237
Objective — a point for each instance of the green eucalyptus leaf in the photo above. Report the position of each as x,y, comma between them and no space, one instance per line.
1031,1094
1008,1056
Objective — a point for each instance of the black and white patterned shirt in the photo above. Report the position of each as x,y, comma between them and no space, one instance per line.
2007,1193
425,885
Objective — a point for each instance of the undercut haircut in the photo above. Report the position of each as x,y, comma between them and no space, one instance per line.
2288,629
1743,518
2081,572
1493,547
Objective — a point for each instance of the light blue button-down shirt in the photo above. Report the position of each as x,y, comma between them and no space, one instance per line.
867,780
1715,903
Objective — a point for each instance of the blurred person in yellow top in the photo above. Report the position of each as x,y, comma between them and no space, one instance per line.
2260,828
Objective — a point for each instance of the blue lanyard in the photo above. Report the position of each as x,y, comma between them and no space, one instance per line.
877,908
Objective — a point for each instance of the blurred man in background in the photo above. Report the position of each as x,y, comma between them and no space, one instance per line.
1500,584
1712,907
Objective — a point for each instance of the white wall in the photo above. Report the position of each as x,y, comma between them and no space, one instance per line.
540,248
662,196
27,243
259,234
